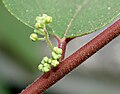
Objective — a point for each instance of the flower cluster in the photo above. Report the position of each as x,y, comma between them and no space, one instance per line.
41,22
40,29
47,63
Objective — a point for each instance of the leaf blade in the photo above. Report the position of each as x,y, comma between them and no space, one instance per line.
93,15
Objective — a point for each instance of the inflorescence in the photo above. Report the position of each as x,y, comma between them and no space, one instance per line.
40,26
40,29
47,63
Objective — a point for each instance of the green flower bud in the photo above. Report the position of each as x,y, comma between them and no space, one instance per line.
59,56
46,69
46,65
45,59
40,31
39,18
44,16
33,37
37,25
50,60
40,24
48,19
42,62
55,56
40,67
57,50
55,63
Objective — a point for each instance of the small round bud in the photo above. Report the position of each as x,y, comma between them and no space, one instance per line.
50,60
39,18
40,31
33,37
44,16
46,65
48,19
57,50
55,63
35,31
45,59
42,62
40,66
55,56
46,69
59,56
40,24
37,25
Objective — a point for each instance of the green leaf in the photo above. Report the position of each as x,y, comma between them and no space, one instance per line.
70,17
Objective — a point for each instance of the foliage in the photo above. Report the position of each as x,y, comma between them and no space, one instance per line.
70,18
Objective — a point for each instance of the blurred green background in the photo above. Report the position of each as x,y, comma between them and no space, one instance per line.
19,58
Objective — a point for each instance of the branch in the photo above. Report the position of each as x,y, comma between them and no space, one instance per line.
62,44
67,65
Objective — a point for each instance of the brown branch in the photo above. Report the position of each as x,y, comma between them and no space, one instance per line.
62,44
67,65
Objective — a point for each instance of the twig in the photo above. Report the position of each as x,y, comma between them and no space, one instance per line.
67,65
48,40
62,44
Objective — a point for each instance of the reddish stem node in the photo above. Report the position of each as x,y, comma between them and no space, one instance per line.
67,65
62,44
